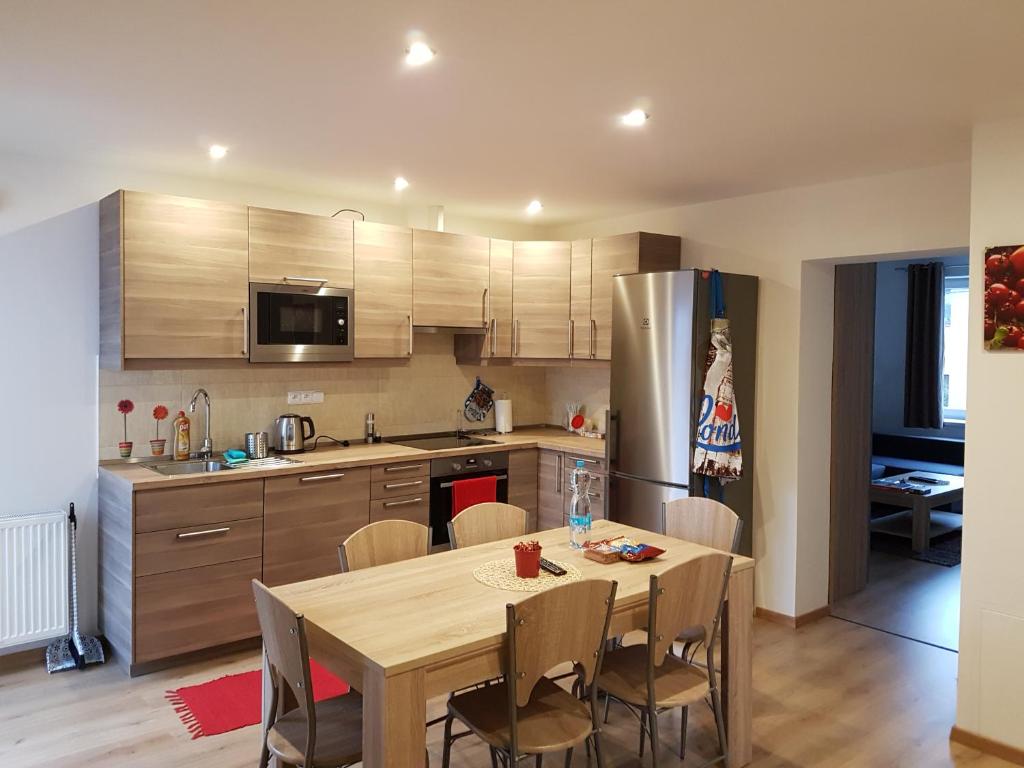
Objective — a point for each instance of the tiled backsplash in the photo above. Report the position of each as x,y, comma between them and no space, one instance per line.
585,385
423,394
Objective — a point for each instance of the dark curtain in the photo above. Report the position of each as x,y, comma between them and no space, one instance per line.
922,389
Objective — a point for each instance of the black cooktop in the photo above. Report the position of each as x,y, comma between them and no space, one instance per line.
440,442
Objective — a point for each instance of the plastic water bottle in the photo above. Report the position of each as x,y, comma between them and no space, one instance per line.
579,507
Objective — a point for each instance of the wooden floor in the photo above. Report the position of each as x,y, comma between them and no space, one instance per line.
829,694
908,597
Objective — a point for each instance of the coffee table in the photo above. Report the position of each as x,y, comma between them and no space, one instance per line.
918,509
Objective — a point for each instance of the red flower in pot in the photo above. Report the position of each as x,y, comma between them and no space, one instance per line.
157,446
527,559
124,407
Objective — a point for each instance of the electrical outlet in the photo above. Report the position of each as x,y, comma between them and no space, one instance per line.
305,397
315,396
294,398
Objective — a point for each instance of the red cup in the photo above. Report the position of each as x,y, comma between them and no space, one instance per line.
527,563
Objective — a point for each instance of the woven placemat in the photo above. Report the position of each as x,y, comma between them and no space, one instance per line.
501,574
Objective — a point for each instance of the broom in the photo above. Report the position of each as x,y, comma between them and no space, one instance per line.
75,650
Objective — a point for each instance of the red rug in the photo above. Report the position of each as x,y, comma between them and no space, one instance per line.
234,701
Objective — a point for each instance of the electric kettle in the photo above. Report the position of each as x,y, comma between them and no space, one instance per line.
290,433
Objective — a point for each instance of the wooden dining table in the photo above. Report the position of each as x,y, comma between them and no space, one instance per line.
406,632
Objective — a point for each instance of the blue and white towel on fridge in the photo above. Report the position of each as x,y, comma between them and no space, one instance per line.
718,452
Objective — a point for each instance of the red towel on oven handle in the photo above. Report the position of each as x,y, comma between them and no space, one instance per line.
474,490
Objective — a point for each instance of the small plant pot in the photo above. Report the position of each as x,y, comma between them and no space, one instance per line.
156,447
125,449
527,564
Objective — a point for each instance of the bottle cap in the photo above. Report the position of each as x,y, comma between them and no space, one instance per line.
579,462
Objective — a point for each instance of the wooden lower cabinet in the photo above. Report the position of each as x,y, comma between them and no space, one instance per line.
306,518
415,509
522,483
550,484
196,608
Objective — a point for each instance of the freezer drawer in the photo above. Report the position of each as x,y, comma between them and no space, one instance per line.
639,502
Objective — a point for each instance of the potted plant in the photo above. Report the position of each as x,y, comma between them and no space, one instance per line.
124,407
527,559
156,447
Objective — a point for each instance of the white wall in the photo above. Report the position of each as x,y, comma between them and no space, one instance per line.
49,334
891,350
992,603
772,235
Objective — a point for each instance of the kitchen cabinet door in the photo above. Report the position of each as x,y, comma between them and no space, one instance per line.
540,299
580,330
498,340
383,290
522,483
550,485
450,279
618,255
299,249
185,277
306,517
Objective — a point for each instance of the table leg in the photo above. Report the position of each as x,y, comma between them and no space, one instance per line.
394,720
737,668
922,524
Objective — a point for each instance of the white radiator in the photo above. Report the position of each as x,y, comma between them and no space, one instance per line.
33,578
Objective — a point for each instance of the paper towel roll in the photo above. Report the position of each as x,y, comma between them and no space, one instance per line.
503,416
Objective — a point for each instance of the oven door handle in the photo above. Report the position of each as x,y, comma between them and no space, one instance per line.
496,477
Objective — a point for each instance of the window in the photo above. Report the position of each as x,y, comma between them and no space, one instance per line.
954,352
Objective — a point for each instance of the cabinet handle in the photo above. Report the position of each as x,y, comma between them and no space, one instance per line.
402,468
494,332
515,340
572,335
245,332
410,334
402,503
593,337
322,280
315,478
389,486
558,474
584,460
483,309
210,532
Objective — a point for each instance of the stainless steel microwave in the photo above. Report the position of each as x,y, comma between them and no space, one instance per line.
300,323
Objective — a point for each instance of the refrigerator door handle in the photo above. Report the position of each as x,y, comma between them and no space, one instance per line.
612,423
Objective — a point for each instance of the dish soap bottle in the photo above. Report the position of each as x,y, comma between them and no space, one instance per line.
182,439
580,519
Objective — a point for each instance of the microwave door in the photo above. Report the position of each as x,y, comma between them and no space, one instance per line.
299,324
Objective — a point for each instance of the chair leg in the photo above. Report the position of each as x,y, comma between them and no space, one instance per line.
607,705
684,716
597,749
652,719
494,758
643,729
446,753
568,757
540,760
716,703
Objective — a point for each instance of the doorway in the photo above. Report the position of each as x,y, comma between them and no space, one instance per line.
896,490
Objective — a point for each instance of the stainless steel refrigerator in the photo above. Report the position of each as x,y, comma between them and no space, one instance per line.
661,327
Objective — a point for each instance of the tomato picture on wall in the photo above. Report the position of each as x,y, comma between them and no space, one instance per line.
1004,297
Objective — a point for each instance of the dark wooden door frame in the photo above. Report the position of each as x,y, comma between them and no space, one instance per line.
853,355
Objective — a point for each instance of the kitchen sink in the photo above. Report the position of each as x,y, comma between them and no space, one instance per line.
189,467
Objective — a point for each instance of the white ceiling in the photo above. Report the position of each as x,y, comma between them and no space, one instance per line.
521,101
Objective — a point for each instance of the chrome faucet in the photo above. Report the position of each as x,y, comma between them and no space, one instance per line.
206,451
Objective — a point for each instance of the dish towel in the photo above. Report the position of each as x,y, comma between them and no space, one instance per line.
475,490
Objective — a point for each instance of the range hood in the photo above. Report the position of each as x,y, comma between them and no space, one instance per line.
466,331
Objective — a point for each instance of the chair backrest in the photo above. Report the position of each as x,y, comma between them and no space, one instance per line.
284,639
490,521
383,542
685,596
703,521
566,623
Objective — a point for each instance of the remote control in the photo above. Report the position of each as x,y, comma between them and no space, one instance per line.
552,568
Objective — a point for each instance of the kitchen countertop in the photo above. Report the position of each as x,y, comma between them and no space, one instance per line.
358,455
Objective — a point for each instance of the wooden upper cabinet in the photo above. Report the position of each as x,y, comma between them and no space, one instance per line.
540,299
580,327
623,255
383,290
184,276
498,339
299,249
450,279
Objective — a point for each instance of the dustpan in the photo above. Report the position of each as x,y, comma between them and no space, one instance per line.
75,650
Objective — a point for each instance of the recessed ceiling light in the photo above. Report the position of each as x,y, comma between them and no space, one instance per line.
635,118
400,183
418,54
534,207
218,151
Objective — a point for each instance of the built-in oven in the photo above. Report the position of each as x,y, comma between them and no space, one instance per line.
445,472
300,321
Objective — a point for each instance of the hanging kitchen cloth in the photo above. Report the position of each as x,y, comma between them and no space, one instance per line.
718,452
479,402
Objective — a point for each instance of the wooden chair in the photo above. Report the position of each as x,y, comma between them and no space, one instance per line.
328,733
527,713
647,678
702,521
490,521
383,542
